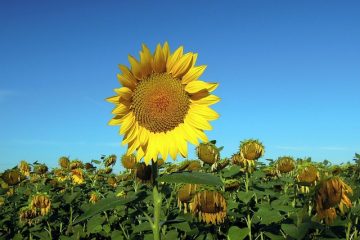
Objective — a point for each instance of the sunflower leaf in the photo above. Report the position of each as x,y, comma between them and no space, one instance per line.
191,177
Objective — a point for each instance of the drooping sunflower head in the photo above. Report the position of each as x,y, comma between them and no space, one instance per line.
190,165
285,164
247,165
75,164
24,168
27,214
209,206
112,181
40,168
128,161
208,153
143,172
251,149
64,162
77,176
110,160
41,202
309,175
162,104
232,184
185,194
330,193
11,177
270,172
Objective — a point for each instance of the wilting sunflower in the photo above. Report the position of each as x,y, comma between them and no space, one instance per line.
128,161
208,153
110,161
112,181
77,176
24,168
143,173
40,168
251,150
209,206
76,164
27,214
11,177
285,164
162,104
64,162
41,202
308,175
330,193
232,184
185,194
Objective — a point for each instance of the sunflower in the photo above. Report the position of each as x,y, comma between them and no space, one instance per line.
185,194
330,193
112,181
64,162
162,104
209,206
208,153
27,214
110,161
24,168
251,150
77,176
308,177
144,173
94,197
128,161
40,168
41,202
76,164
11,177
285,164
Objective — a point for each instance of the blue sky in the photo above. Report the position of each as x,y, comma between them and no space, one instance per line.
288,71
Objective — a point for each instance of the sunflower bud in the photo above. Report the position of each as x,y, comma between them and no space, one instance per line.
128,161
208,153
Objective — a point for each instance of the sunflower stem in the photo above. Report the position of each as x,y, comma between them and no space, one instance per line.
157,201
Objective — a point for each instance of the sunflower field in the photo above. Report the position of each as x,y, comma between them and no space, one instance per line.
206,198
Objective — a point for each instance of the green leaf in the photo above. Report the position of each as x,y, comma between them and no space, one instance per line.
297,232
116,235
273,236
183,226
173,234
245,196
236,233
42,235
94,225
232,171
70,197
268,216
104,205
191,177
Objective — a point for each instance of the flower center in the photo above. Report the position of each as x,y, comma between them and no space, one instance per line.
160,102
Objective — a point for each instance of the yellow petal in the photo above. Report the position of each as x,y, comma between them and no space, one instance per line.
135,67
174,57
127,79
127,123
208,100
204,111
117,120
163,145
139,154
132,146
200,134
131,134
188,134
182,66
159,64
124,93
143,136
145,61
173,149
197,86
151,151
166,51
193,74
198,121
121,109
114,99
180,142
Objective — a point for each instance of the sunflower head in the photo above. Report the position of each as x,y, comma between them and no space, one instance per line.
40,168
285,164
330,193
110,161
128,161
27,214
41,202
232,184
162,104
108,170
247,165
143,172
11,177
24,168
34,177
89,166
64,162
208,153
112,181
75,164
94,197
185,194
309,175
251,149
190,165
77,176
209,206
270,171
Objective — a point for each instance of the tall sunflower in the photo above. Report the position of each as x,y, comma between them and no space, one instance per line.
162,104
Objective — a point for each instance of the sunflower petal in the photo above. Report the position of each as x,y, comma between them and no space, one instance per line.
127,123
113,99
166,51
121,109
159,64
139,154
127,78
188,134
197,86
193,74
124,93
174,57
163,145
135,67
198,121
182,66
146,61
204,111
208,100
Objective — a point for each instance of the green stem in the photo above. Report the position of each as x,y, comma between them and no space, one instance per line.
249,225
157,202
246,182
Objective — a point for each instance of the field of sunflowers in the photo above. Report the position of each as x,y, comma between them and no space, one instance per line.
210,197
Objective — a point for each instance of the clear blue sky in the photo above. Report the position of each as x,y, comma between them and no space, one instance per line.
289,73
